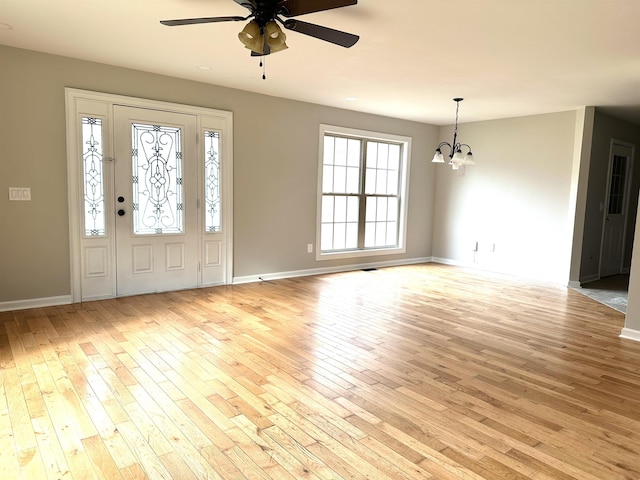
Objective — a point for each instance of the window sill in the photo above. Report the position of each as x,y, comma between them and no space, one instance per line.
359,253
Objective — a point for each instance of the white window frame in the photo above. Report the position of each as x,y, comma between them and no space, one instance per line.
403,192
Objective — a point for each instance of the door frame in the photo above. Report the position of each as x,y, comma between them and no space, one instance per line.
74,99
628,185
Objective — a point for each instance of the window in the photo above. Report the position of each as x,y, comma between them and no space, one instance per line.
156,158
212,222
362,190
93,175
616,187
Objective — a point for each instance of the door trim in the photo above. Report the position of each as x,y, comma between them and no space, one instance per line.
74,98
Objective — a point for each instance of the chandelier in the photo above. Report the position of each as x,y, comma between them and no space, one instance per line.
456,156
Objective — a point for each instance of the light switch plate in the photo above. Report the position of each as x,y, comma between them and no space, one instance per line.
20,194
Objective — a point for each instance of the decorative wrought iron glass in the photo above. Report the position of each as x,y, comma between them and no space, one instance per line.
93,174
156,158
212,222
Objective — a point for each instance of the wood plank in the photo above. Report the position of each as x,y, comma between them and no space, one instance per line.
416,372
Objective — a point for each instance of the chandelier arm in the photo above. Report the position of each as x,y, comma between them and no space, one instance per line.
460,145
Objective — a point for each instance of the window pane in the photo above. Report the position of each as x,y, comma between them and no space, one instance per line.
392,182
352,235
383,155
372,155
340,209
392,209
340,156
329,144
394,157
353,156
392,233
327,209
616,187
370,207
381,182
339,236
381,234
212,219
370,181
326,237
353,180
369,234
93,174
353,209
340,179
381,211
156,157
327,179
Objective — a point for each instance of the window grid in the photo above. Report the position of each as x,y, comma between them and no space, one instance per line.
360,201
616,187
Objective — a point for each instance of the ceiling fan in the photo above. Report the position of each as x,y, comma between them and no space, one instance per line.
263,36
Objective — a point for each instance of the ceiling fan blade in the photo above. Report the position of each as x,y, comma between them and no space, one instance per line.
250,4
343,39
192,21
293,8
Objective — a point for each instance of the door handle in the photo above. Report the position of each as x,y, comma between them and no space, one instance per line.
121,212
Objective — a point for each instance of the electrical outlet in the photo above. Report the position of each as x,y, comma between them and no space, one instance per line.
309,247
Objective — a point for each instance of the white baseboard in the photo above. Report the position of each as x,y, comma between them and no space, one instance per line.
35,303
574,284
324,270
630,334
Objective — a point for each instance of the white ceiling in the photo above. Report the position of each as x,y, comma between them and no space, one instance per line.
505,57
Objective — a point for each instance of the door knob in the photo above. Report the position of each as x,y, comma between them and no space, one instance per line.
121,212
120,199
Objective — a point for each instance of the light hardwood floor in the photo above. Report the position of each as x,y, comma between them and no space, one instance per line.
418,372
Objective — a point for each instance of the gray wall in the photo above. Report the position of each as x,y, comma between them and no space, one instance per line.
517,197
606,128
275,169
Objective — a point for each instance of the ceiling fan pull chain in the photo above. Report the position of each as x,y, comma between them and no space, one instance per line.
263,64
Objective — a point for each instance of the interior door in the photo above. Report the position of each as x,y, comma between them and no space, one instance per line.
156,195
616,211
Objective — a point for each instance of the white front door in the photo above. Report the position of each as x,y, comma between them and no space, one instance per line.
613,236
150,195
155,200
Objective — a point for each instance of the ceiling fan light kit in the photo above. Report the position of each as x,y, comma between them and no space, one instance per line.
263,36
456,155
271,41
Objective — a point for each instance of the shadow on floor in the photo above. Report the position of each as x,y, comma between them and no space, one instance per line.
612,291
